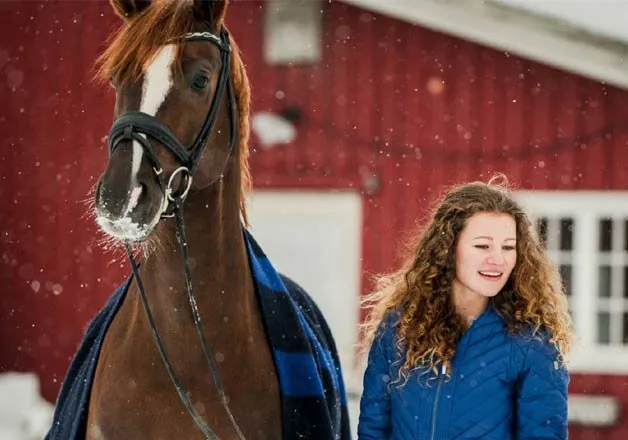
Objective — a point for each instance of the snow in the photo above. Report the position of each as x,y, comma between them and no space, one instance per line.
24,413
272,129
606,18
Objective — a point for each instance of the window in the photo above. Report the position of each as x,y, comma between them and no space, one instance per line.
612,325
293,32
557,236
586,236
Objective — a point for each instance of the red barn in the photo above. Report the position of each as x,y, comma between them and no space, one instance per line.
367,109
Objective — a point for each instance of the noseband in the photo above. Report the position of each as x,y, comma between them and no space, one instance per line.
140,127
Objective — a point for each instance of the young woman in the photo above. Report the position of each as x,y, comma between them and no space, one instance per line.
468,340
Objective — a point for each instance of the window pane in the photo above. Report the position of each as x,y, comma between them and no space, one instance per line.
565,273
566,234
604,287
604,328
606,234
541,227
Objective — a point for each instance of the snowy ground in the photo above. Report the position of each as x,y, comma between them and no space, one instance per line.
24,414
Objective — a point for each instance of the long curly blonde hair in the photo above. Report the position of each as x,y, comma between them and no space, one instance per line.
419,293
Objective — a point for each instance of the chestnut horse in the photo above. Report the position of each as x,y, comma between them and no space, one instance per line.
186,356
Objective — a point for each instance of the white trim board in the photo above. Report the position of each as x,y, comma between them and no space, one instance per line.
522,33
561,202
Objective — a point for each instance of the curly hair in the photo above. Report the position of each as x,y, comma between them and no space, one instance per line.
428,326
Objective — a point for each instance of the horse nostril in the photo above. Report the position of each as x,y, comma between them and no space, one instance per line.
143,192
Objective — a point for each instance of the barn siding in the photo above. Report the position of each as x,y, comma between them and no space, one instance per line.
392,103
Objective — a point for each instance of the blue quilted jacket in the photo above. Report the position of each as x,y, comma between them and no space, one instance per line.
500,387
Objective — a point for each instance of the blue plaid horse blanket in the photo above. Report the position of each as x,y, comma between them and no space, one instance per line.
313,397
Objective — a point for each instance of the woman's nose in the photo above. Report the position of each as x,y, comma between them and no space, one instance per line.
497,258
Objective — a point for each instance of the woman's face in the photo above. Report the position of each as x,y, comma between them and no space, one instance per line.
486,254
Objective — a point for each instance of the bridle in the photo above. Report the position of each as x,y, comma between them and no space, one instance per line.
140,127
131,125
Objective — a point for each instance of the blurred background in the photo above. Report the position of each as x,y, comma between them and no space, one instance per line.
363,110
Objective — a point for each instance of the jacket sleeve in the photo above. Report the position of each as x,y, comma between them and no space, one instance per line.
542,393
374,422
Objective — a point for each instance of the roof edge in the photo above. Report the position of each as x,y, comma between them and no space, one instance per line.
525,34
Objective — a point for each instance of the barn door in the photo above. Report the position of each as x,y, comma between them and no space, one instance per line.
314,238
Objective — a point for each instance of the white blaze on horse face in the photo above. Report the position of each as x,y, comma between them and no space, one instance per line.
157,83
157,80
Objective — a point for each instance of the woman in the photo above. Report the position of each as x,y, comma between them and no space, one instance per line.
468,340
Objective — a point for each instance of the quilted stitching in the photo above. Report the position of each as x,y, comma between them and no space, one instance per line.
502,387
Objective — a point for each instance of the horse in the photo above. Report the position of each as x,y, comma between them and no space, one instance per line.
184,350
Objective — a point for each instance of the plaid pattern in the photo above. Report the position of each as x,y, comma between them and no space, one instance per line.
313,398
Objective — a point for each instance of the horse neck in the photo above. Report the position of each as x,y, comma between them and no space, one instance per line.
217,254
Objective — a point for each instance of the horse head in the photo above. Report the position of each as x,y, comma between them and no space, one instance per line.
180,111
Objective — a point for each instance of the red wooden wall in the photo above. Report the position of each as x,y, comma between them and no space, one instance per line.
393,110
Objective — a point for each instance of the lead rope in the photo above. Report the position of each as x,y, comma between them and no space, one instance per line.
184,394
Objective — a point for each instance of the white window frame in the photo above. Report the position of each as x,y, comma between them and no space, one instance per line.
293,32
586,208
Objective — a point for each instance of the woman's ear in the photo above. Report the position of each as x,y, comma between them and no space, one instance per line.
128,9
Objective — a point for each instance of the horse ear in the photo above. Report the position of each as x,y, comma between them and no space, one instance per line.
128,9
210,11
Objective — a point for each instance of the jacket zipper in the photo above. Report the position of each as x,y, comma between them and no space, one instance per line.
434,410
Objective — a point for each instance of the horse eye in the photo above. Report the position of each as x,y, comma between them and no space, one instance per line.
200,82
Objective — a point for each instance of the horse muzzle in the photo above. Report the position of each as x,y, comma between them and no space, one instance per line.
128,211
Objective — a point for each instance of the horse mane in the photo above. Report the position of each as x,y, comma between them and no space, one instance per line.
136,42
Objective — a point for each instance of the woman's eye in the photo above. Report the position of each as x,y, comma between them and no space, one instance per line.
509,248
481,246
200,82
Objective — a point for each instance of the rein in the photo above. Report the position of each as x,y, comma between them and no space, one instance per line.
131,126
